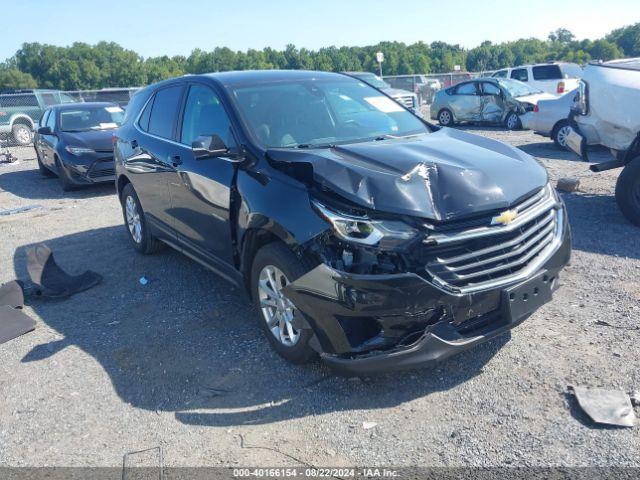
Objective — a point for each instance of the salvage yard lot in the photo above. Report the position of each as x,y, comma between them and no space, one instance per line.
180,362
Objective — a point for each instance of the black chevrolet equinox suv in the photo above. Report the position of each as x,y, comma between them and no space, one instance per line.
363,234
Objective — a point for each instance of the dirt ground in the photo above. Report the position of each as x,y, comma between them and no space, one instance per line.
180,362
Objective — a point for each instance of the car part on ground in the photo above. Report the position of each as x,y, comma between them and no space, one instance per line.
607,407
51,280
12,294
395,248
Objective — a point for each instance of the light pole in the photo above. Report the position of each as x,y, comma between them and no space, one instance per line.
380,59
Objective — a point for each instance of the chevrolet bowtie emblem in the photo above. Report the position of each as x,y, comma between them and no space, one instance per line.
505,218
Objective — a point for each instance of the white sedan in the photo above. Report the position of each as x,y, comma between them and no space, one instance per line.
549,118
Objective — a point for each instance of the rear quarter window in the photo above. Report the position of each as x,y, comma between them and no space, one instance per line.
547,72
165,111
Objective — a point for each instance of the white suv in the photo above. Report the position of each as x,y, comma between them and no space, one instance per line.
555,78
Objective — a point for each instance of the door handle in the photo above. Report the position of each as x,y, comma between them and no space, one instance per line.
176,160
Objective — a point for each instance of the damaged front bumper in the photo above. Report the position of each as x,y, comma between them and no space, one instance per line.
370,323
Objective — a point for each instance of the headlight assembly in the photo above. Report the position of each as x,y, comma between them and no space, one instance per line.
78,150
365,231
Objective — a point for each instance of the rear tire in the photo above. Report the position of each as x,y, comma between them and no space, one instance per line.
628,191
135,223
445,117
559,134
44,171
22,134
277,256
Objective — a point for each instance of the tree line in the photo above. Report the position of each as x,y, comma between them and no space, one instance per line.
107,64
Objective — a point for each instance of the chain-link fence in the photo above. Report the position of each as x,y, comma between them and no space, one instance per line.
21,111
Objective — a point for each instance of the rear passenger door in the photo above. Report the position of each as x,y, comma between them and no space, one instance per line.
152,163
466,105
201,188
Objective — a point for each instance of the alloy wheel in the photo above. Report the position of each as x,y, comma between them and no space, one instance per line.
133,219
22,135
512,121
445,118
277,309
562,134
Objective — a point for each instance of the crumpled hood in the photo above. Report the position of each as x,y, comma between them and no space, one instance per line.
440,176
94,139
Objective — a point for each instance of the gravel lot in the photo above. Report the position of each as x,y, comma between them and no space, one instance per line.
180,362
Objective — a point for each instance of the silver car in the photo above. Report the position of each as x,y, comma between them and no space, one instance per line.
486,100
551,118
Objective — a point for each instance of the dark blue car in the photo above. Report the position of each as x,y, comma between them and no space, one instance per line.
74,142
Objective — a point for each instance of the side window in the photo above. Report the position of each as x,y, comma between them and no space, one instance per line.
520,74
204,115
164,112
490,89
43,118
51,120
49,99
500,74
466,89
144,118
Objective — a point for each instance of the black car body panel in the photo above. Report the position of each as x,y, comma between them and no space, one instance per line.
416,176
380,309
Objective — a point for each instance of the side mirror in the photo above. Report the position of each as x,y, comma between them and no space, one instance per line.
45,131
209,146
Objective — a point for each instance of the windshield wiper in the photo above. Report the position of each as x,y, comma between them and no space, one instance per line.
313,145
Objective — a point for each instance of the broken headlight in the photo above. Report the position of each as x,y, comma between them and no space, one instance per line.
382,233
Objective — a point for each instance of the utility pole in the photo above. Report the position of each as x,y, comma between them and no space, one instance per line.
380,59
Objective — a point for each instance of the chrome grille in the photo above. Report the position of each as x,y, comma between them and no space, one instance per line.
406,100
492,255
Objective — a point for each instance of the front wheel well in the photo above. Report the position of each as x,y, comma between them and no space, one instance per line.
22,121
122,182
254,239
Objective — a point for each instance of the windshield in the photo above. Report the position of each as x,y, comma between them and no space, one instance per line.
91,118
518,89
313,113
372,80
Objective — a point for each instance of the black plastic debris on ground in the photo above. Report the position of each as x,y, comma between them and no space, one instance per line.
11,294
51,280
13,321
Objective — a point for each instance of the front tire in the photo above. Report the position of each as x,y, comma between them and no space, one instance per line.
628,191
22,134
445,117
275,266
136,223
512,122
63,177
44,171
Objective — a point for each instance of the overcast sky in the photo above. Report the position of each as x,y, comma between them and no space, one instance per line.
176,27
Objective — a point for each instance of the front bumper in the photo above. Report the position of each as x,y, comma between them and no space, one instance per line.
89,168
372,323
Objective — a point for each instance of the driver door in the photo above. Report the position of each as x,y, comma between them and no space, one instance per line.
200,189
